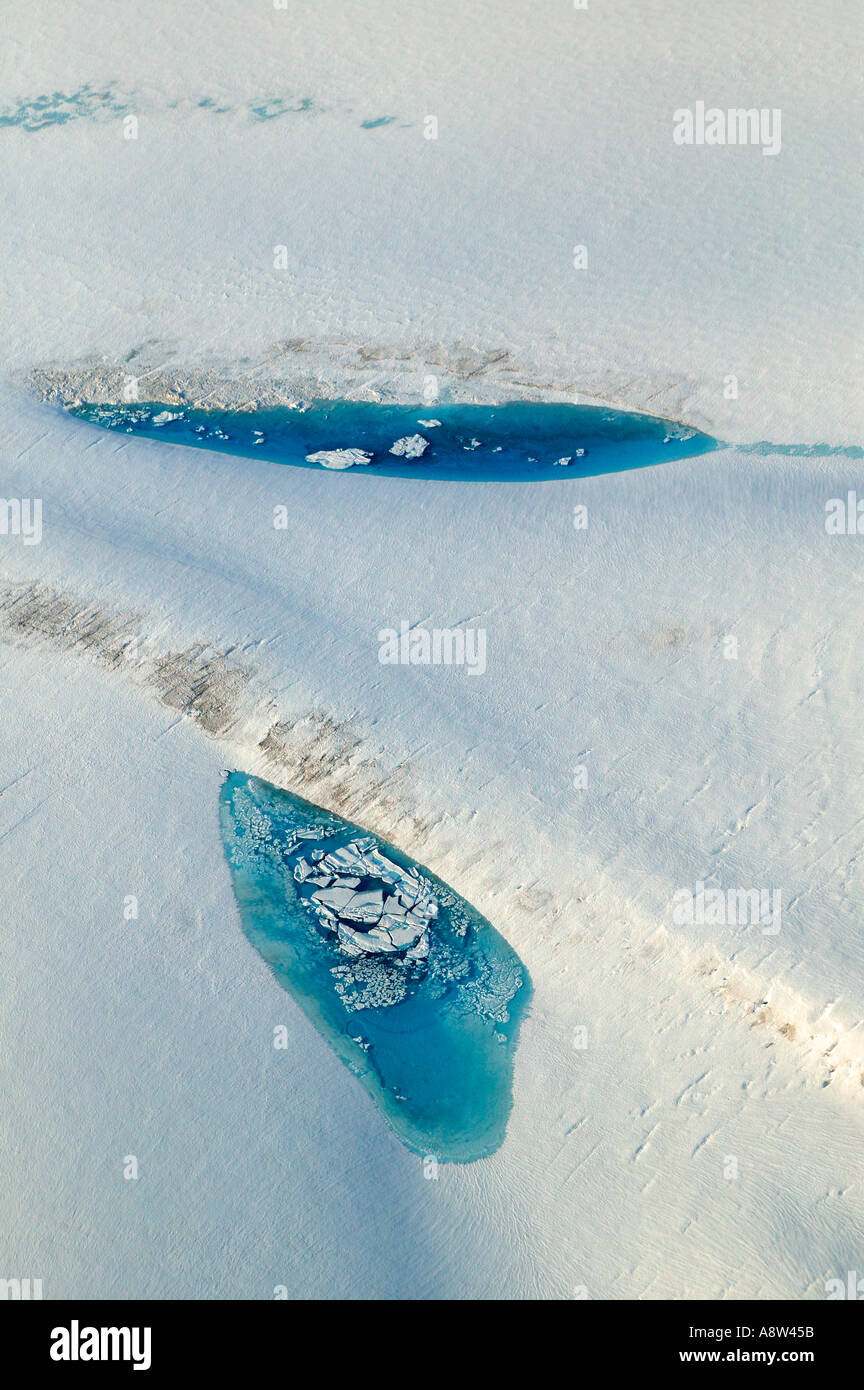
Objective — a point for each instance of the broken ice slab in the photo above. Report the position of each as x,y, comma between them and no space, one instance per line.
340,458
416,992
413,446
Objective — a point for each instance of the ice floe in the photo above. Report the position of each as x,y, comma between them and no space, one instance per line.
371,905
411,447
340,458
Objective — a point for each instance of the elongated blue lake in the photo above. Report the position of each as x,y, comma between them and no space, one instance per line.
417,993
517,441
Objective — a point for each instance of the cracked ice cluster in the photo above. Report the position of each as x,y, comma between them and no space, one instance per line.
371,905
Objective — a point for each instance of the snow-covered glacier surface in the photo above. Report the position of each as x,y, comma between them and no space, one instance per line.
352,204
419,996
291,213
611,755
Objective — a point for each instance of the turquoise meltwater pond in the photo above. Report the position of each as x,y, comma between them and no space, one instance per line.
474,443
417,993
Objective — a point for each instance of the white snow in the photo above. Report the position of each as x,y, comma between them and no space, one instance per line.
408,258
619,748
240,647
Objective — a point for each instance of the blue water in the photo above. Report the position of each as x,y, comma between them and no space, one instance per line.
849,451
97,104
438,1061
58,108
274,107
515,441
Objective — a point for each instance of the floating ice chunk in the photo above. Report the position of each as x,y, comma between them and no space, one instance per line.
475,444
309,832
429,424
563,462
354,943
351,943
165,416
411,447
339,458
401,933
363,907
337,898
390,915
